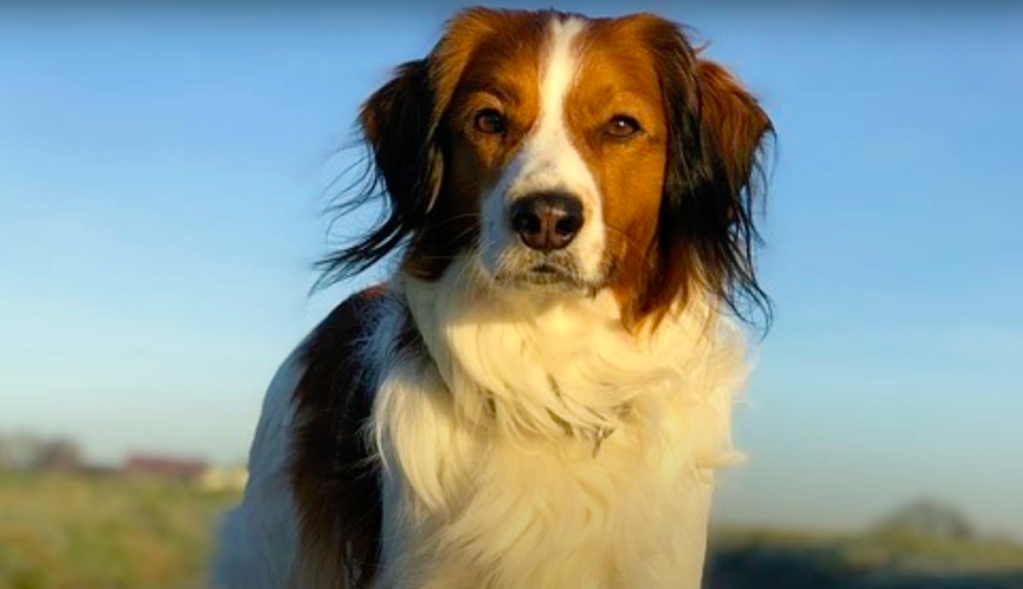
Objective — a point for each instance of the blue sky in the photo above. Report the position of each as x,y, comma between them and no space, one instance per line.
162,177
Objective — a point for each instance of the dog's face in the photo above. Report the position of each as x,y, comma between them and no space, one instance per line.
564,152
569,155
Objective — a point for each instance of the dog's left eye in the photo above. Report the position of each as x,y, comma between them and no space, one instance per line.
490,121
622,127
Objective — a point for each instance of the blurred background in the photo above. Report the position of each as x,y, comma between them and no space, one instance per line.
163,177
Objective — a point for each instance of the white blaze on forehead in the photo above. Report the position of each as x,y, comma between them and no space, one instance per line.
549,161
558,73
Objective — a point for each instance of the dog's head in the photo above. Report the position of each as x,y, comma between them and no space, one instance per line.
569,155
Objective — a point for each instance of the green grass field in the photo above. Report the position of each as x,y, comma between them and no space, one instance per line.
80,532
76,532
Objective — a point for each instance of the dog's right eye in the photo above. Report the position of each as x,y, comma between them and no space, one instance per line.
622,127
490,121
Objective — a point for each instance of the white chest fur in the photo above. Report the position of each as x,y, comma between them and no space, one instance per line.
533,443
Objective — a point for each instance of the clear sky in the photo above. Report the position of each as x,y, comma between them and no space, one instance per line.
162,177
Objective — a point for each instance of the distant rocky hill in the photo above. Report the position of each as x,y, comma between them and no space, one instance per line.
929,519
924,545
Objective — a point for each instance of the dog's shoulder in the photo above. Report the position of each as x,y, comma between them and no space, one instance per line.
336,370
307,457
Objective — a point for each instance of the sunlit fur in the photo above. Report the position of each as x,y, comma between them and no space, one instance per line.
563,451
477,423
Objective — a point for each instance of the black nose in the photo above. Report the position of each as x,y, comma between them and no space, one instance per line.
547,220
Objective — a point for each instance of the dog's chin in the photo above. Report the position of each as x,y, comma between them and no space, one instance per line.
541,279
544,276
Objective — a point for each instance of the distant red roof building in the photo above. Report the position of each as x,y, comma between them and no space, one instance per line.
188,470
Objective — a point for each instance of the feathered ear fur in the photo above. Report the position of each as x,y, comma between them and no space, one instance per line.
706,230
401,126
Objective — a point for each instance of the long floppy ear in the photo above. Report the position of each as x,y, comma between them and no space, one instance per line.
717,136
399,127
400,123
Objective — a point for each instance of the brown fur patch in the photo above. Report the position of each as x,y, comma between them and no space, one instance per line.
434,164
335,482
678,198
502,76
618,76
499,52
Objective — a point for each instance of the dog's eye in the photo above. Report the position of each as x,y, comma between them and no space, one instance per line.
622,127
490,121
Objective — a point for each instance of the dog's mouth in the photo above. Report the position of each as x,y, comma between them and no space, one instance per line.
539,275
549,273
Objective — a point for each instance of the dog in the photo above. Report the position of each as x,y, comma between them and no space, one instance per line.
540,393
